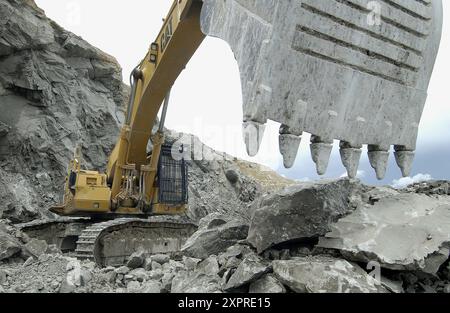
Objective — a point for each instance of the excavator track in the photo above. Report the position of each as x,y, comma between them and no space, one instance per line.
62,232
110,243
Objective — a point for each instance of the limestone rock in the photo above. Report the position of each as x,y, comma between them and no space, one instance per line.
195,282
9,246
267,284
325,275
190,263
155,274
402,232
139,274
213,236
36,247
136,260
300,212
209,266
249,270
160,258
4,129
156,266
166,282
122,270
297,57
133,287
54,94
151,287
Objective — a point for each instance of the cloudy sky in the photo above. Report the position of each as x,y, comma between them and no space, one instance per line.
206,99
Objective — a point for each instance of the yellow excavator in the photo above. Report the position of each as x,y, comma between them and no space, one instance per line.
300,64
136,183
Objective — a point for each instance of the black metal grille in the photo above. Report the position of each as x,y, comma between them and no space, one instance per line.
172,178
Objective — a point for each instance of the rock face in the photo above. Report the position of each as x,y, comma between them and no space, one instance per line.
215,234
300,212
402,232
55,90
325,275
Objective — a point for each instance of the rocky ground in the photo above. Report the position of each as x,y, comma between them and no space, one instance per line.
258,232
341,236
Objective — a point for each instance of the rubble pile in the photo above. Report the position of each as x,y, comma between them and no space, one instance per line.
345,256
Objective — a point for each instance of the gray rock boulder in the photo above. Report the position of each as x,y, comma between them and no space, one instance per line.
325,275
4,129
209,266
151,287
133,287
402,232
249,270
237,251
160,258
36,247
267,284
196,282
9,246
214,236
136,260
191,263
300,212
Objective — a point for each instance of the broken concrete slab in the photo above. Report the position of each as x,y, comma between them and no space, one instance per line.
402,232
322,274
249,270
300,212
213,236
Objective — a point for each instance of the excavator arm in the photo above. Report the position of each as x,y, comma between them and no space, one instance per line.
151,82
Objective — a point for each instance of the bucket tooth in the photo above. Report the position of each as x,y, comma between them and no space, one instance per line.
321,153
405,159
350,156
378,160
253,133
289,145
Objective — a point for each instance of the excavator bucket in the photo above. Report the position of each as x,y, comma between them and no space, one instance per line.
356,71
